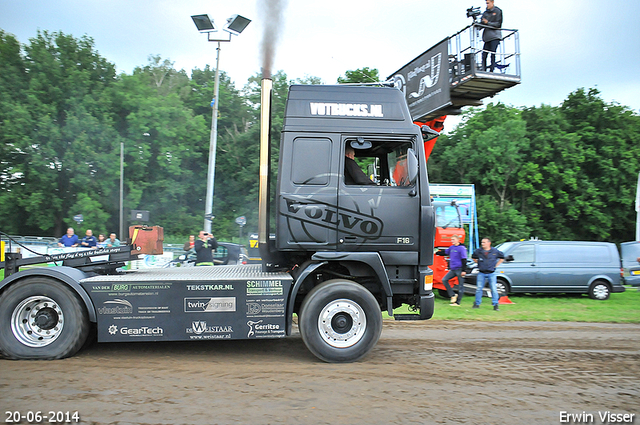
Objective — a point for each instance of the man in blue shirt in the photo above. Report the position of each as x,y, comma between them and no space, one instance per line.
457,267
89,241
69,240
488,258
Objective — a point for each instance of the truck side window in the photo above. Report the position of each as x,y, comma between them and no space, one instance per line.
385,163
311,161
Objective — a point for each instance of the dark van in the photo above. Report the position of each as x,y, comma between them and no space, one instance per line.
560,267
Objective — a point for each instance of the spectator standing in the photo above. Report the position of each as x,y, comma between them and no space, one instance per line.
190,244
89,241
492,18
204,249
457,268
488,258
113,242
69,240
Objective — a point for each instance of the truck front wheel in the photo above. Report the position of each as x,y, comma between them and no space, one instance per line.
340,321
41,318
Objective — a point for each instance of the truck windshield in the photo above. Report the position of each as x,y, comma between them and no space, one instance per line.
447,215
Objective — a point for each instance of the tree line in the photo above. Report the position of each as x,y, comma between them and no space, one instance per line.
558,173
565,172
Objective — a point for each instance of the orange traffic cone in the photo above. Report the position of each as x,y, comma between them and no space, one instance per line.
505,300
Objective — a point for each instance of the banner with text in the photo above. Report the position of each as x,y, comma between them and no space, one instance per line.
425,81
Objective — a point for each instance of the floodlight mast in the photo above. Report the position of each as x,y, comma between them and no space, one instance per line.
235,25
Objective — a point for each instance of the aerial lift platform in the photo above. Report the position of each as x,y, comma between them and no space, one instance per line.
449,75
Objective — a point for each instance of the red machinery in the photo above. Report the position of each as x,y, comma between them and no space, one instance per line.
448,224
448,220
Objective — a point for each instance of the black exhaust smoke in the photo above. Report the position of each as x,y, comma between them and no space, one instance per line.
272,11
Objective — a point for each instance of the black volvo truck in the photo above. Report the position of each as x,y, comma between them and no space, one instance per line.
342,253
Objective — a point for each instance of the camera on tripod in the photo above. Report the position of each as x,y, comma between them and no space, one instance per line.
473,13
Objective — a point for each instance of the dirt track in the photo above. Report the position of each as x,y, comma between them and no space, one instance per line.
419,373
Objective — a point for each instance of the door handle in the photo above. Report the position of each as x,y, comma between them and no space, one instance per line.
350,239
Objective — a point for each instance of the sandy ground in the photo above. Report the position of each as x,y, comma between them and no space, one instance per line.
419,373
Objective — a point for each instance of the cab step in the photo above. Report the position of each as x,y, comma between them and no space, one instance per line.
406,316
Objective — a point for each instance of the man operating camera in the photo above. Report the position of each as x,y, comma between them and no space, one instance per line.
492,18
204,249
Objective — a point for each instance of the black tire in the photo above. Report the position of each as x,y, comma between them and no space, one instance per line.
354,321
502,286
599,290
60,325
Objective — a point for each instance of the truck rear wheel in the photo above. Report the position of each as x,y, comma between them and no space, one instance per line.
340,321
41,318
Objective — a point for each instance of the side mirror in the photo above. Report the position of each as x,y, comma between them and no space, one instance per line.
412,166
428,133
508,258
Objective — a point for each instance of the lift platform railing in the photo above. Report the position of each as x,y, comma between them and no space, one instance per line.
466,48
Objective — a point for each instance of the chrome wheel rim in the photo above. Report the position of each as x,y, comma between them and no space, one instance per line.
600,291
342,323
37,321
501,287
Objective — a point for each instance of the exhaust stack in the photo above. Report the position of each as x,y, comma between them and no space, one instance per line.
264,213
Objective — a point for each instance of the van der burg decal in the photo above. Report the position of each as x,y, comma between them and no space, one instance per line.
325,215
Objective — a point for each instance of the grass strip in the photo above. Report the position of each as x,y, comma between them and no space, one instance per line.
619,308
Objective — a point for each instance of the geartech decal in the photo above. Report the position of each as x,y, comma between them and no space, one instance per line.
141,331
325,215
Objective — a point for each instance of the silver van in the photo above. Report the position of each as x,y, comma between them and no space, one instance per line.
560,266
631,262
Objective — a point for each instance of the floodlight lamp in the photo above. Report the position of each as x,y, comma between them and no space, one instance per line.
236,24
204,23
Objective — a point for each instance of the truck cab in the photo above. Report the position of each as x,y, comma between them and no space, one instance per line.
379,234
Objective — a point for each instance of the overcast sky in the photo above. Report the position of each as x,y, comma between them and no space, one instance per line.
565,44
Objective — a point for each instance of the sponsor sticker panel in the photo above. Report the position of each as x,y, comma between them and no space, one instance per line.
174,311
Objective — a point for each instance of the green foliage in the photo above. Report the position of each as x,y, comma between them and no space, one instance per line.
58,129
309,80
620,308
566,172
360,75
500,223
94,217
